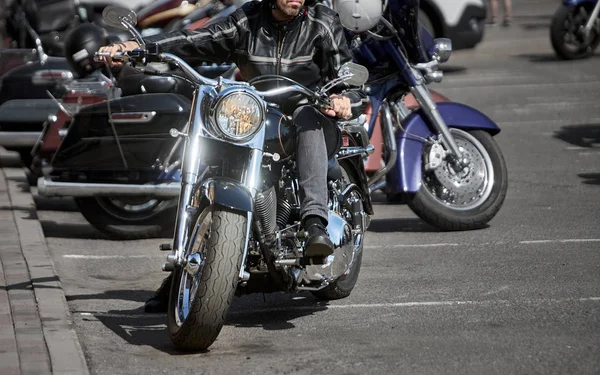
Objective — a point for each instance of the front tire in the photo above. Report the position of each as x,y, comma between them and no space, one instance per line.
128,219
466,199
566,41
199,302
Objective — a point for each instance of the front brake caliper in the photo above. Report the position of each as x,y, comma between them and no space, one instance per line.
435,157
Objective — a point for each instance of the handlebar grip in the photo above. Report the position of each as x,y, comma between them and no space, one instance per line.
117,56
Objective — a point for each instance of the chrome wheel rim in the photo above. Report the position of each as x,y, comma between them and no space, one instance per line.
131,209
464,189
189,282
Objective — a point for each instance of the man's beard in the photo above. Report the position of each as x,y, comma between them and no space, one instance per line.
289,11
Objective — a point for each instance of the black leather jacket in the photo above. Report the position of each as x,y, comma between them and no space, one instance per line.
309,49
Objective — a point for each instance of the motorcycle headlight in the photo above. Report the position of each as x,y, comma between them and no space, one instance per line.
238,115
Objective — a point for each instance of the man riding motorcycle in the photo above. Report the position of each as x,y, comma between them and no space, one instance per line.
291,38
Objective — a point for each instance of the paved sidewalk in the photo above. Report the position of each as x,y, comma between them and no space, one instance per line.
36,329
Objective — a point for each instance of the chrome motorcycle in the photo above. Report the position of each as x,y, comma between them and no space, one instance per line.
238,226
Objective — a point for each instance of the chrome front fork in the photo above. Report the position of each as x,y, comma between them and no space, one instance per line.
590,23
252,181
190,172
423,97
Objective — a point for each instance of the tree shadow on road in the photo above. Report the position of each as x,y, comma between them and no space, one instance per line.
400,225
55,204
539,57
585,136
590,178
52,229
276,312
453,69
548,58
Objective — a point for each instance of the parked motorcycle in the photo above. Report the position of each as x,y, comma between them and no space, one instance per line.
441,159
103,147
575,29
27,75
237,221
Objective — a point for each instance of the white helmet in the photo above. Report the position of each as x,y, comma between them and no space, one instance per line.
359,15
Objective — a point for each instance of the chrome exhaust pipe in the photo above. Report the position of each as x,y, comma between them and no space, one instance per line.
49,188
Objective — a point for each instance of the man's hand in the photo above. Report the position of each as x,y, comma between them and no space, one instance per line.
117,47
340,107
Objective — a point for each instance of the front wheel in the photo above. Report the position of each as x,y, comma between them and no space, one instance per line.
465,199
200,295
567,40
129,218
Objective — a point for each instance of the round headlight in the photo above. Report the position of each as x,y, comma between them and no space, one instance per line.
238,115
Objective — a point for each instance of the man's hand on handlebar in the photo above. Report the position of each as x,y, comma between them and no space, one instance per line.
340,107
128,45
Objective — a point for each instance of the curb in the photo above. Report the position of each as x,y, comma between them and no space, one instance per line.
65,351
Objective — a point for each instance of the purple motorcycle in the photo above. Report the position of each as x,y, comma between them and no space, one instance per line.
441,158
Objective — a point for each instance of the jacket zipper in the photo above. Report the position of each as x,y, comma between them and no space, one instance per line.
280,41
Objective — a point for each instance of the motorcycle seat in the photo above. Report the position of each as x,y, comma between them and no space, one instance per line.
135,84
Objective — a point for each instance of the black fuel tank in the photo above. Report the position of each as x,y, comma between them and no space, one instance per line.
280,134
142,123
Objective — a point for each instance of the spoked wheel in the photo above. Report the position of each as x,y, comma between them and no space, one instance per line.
452,199
129,217
568,41
203,289
343,286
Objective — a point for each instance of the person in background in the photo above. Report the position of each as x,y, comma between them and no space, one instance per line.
507,5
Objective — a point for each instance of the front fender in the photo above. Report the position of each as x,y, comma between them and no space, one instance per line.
406,176
574,3
227,193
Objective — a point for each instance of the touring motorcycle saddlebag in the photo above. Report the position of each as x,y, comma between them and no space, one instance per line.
142,124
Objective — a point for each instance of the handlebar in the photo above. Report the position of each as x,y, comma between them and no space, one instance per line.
141,55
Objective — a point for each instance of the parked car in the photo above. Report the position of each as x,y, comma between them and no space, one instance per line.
462,21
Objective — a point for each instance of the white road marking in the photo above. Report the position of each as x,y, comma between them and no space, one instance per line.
572,240
409,245
530,242
360,306
368,247
82,256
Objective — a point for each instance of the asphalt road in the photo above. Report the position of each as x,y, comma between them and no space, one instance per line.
521,296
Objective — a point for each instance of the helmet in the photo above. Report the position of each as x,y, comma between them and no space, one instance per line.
81,44
359,15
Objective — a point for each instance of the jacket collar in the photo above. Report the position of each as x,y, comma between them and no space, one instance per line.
286,26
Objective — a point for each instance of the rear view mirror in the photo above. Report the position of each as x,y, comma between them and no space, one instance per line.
117,17
354,74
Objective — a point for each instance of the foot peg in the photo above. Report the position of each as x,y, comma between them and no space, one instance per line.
165,247
168,267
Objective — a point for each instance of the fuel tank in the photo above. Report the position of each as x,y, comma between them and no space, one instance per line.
280,134
142,124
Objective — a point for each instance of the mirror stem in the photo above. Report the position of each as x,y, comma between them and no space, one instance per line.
136,35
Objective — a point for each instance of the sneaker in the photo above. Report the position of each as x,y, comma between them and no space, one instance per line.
318,243
507,22
159,302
